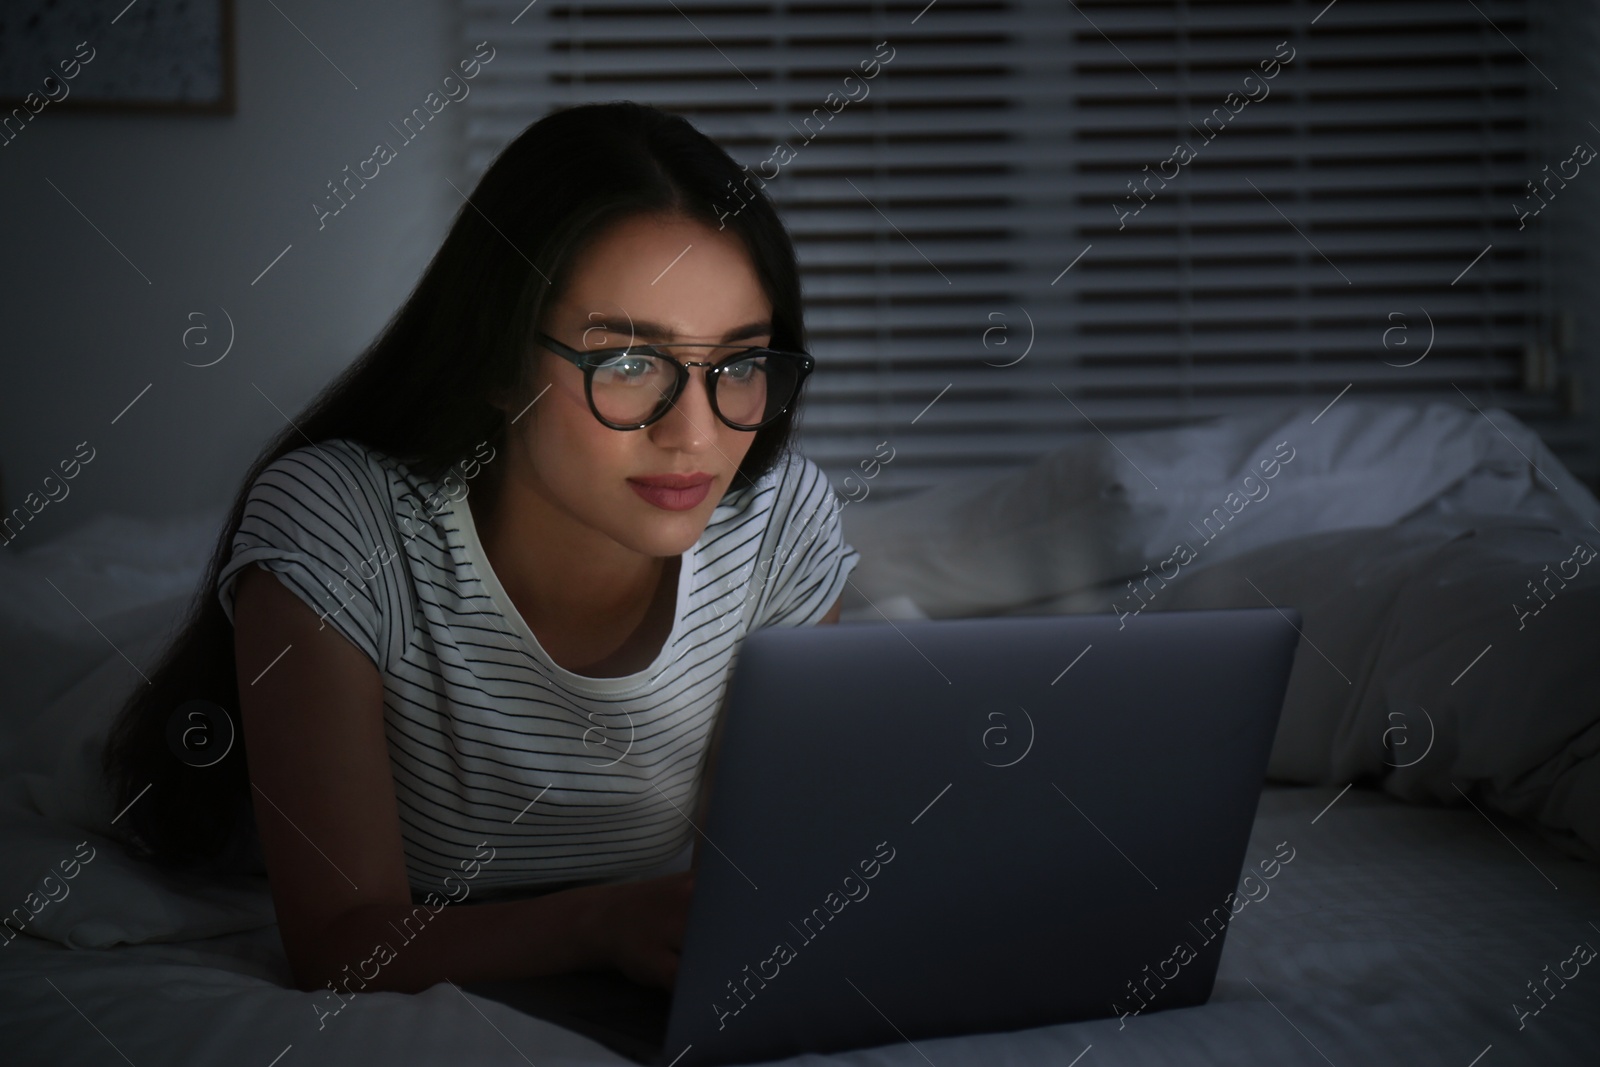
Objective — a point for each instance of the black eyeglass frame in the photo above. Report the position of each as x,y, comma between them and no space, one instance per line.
588,361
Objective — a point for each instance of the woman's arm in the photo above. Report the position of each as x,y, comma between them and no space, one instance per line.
325,806
833,612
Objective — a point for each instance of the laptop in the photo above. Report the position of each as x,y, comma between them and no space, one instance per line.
926,828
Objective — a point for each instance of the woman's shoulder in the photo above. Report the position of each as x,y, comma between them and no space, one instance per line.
337,470
798,565
793,478
369,486
335,489
793,503
320,516
333,455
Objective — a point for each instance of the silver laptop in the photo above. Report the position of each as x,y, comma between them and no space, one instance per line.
937,827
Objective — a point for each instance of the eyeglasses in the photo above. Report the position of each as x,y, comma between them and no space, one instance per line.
629,388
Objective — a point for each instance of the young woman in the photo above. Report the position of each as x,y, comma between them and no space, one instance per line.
474,611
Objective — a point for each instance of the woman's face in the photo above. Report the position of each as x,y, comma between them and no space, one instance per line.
667,279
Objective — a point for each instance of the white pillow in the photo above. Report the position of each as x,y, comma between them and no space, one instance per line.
1381,688
1095,510
59,801
65,737
101,574
111,898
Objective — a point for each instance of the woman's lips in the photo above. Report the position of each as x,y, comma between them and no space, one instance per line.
672,498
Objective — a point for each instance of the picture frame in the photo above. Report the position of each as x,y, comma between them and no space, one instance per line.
146,56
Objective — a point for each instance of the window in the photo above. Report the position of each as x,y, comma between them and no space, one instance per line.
1039,213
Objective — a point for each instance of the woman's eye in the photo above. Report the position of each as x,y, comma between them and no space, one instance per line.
741,371
630,367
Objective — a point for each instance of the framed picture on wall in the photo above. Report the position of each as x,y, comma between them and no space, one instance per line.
143,55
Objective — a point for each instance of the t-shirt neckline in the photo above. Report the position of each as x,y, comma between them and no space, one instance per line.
617,685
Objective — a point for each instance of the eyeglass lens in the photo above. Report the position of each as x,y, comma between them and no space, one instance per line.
633,387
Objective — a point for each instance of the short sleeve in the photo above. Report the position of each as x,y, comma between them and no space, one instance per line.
313,517
804,560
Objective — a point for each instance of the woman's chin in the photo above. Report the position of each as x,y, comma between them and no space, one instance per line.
662,534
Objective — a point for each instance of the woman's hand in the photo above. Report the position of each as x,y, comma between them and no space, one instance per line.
639,927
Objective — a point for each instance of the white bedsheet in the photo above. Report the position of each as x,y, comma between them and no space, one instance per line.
1398,934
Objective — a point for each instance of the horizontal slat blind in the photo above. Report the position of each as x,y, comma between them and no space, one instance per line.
1005,140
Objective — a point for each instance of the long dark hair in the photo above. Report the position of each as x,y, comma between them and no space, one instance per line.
421,392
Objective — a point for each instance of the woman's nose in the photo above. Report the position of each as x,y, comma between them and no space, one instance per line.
693,405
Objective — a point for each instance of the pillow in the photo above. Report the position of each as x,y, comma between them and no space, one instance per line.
1093,510
79,889
105,572
62,743
1426,663
60,811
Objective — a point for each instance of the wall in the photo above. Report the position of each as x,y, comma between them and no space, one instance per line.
197,207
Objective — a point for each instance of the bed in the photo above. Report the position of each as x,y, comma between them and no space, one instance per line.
1435,768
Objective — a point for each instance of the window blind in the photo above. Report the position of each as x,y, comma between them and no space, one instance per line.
1041,218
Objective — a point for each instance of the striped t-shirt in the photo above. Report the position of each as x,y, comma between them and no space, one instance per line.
568,778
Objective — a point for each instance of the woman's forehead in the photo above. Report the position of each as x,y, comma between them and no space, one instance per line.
675,274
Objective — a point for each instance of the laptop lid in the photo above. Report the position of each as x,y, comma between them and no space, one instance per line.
937,827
